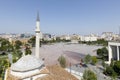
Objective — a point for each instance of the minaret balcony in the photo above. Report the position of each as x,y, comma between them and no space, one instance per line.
37,31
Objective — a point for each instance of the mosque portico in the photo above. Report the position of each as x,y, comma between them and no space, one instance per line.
114,51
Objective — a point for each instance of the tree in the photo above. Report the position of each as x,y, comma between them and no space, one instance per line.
99,53
116,67
4,44
58,39
89,75
102,53
102,42
87,59
105,53
3,65
62,61
16,55
18,44
112,63
94,60
32,41
27,50
110,72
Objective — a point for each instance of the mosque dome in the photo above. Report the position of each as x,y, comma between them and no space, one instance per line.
27,63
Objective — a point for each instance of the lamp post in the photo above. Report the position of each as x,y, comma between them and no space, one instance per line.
70,67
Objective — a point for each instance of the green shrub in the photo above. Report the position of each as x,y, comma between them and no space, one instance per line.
116,67
94,60
87,59
62,61
89,75
110,72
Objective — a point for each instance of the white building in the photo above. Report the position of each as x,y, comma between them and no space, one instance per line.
107,36
75,37
114,51
47,36
89,38
65,37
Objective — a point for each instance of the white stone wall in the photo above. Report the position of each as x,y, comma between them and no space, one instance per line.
88,38
26,75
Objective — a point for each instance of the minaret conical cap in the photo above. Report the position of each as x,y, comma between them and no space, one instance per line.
38,16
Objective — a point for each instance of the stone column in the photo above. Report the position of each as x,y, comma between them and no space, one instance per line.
118,53
110,54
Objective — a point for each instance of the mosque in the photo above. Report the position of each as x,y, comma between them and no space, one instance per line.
31,67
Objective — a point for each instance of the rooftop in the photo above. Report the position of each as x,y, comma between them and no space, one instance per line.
57,73
54,72
25,63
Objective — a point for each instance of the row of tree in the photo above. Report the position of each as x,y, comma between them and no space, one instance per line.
43,41
7,48
101,42
102,55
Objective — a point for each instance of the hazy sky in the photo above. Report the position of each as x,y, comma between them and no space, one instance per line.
60,16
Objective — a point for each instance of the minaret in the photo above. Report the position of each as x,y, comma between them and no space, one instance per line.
37,31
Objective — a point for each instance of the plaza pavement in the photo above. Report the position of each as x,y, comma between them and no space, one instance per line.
72,52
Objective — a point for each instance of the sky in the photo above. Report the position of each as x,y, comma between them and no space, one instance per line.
60,16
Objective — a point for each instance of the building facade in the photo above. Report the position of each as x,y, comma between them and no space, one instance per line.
89,38
114,51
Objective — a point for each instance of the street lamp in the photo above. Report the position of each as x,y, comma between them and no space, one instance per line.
70,67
